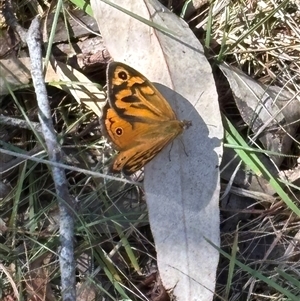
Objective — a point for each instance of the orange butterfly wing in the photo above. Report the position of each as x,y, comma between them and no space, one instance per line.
137,118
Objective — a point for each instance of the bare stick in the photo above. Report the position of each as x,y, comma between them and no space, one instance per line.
67,263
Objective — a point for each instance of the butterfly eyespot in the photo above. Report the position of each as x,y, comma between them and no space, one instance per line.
119,131
122,75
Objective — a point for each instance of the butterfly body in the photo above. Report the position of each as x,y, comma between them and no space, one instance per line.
137,118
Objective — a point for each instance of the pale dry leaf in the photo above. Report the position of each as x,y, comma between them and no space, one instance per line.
37,279
84,91
182,182
272,113
190,7
16,73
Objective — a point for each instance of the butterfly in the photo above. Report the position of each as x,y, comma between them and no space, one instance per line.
137,119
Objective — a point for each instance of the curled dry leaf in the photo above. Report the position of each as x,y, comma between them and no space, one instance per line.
272,113
17,73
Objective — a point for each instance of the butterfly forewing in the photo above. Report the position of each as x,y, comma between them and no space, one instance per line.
131,94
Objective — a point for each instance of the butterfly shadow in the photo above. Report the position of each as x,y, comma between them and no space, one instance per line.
189,164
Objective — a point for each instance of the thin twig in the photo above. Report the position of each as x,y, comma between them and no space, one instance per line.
67,262
20,123
12,21
28,156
